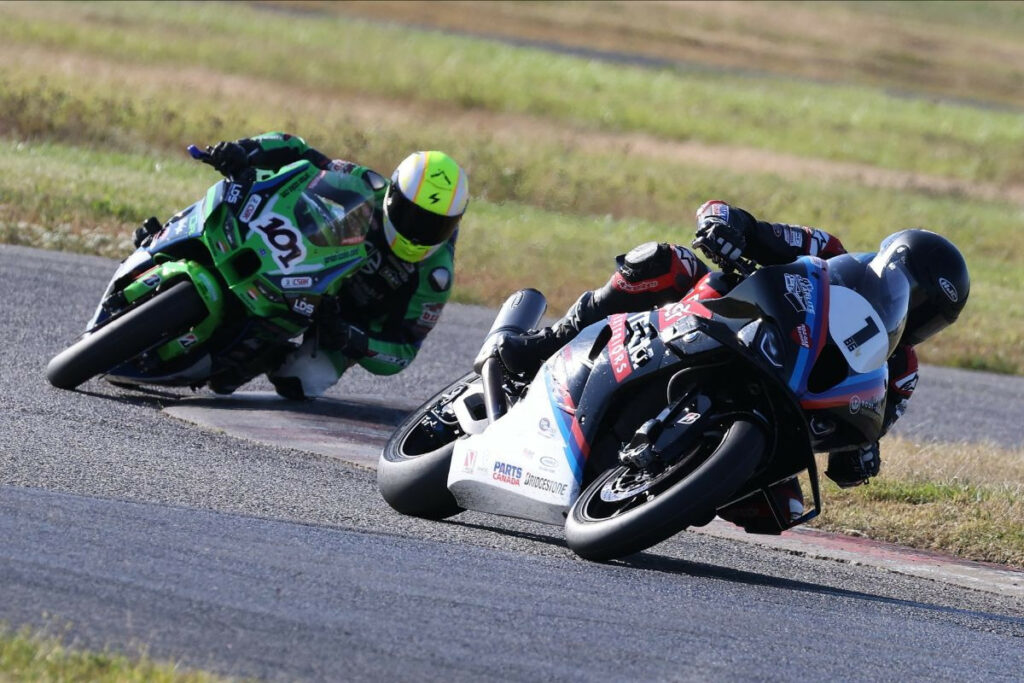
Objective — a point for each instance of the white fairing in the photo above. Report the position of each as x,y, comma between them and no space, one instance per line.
857,329
518,465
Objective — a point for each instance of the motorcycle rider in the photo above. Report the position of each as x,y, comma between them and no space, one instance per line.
654,274
382,313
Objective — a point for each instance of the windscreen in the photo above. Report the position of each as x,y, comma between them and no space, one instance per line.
335,210
887,291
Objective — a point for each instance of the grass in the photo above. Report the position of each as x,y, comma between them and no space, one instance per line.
954,49
967,499
25,656
351,56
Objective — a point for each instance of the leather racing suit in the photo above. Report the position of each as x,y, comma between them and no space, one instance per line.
382,313
655,274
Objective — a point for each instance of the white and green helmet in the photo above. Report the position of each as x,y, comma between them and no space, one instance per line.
424,204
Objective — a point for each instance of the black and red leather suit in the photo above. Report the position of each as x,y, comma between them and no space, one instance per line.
655,274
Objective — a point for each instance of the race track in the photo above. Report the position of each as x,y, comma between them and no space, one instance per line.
125,527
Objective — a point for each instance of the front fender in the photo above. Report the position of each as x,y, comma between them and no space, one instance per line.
206,285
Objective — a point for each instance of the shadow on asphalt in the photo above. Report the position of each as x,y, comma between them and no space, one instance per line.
649,562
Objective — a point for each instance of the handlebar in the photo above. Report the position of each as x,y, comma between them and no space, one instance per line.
198,154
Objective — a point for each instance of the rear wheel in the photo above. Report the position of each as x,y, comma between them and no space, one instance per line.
412,473
626,510
168,314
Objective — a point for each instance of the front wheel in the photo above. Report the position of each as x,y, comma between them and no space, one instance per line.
412,473
625,510
168,314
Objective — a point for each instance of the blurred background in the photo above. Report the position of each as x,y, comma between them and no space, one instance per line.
586,127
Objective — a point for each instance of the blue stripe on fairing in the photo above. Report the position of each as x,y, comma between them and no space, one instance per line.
798,380
564,421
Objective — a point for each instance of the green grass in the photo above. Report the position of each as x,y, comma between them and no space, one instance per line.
25,656
348,55
959,498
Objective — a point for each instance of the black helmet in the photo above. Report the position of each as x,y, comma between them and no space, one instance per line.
937,273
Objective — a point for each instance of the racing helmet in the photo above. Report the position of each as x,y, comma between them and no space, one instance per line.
938,278
424,204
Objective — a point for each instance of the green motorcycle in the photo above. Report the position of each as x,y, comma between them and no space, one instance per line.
215,295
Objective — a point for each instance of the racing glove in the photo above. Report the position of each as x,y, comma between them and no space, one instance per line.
230,158
853,466
719,238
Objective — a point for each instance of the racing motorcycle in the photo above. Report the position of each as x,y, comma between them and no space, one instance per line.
217,292
651,422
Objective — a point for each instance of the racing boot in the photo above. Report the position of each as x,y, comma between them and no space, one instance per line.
524,354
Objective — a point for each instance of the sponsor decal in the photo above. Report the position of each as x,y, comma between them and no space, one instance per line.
188,340
440,279
152,281
949,290
430,315
546,461
544,484
907,384
799,293
801,334
544,428
794,236
250,208
302,282
507,474
777,229
688,419
715,207
283,240
624,285
857,404
234,193
294,185
819,240
469,461
617,353
303,307
373,260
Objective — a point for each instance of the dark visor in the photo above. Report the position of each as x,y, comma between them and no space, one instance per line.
415,223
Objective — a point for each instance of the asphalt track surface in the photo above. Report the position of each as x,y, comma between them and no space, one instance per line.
122,527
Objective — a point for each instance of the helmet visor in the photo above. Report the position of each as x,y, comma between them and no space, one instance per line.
414,223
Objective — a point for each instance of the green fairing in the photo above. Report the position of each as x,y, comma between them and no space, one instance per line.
387,357
300,240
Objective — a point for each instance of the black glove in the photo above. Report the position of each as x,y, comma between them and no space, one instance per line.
853,466
723,242
523,354
230,158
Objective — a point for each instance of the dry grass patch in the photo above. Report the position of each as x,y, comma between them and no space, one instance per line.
967,499
958,50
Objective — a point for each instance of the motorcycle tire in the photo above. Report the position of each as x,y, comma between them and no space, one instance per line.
412,476
168,314
598,530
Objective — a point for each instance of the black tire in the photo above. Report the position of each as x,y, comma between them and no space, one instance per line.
599,530
412,473
168,314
